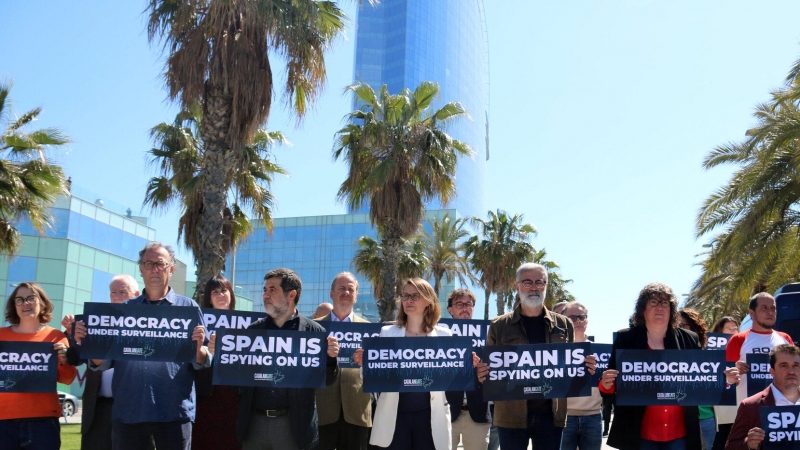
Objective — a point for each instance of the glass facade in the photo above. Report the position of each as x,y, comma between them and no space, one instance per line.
317,248
401,43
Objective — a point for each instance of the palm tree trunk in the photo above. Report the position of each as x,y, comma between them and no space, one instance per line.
486,304
501,304
437,283
387,304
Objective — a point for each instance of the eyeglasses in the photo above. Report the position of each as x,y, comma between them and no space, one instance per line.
410,297
31,299
685,326
578,318
158,265
530,283
656,302
463,305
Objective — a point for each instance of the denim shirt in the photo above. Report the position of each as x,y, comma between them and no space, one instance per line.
155,391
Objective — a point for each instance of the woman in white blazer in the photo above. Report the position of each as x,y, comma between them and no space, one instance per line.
413,420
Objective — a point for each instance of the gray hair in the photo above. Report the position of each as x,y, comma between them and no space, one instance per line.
344,274
579,305
530,266
152,245
131,282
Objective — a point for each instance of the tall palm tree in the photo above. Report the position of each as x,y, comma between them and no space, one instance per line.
179,153
29,182
398,157
369,262
218,57
495,253
444,246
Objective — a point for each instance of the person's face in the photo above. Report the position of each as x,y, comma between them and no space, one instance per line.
730,328
414,303
276,302
579,318
532,295
221,298
160,271
344,295
31,307
765,313
462,308
656,311
683,323
786,372
120,291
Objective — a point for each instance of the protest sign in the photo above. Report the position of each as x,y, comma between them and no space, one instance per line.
27,367
671,377
758,377
230,319
270,358
536,371
718,341
139,332
405,364
782,427
475,329
349,335
603,354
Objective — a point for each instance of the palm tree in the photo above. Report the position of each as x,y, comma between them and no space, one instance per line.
29,182
495,253
399,157
444,246
218,57
369,262
179,154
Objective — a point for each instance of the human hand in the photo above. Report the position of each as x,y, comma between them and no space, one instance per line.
333,347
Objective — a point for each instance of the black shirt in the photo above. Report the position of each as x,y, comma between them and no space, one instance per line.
274,398
536,330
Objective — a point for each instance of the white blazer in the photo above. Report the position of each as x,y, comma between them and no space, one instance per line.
386,409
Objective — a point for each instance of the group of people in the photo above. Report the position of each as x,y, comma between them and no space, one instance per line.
168,405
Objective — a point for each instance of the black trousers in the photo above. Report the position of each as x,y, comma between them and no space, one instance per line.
341,435
99,434
412,431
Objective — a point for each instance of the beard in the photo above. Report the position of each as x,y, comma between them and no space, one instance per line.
765,325
533,299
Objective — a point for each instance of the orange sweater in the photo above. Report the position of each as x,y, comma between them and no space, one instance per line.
22,405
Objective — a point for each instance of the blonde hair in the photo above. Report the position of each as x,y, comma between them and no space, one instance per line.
433,310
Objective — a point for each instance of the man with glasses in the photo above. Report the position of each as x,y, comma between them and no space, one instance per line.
469,414
155,400
584,429
539,421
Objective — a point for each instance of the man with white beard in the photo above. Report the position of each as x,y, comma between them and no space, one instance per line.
539,421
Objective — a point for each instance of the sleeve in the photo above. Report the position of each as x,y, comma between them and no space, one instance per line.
612,364
734,347
66,372
786,337
741,425
491,335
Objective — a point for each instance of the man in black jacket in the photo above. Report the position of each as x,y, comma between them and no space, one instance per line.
283,418
471,429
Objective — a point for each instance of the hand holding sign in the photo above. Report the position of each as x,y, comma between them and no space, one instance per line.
754,438
80,331
732,375
482,368
358,357
61,349
333,347
609,378
212,343
591,363
743,367
199,336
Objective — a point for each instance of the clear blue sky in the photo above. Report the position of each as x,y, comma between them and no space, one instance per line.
601,113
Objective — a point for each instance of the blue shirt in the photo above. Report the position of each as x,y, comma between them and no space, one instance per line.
155,391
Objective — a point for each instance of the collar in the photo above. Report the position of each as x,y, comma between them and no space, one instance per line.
291,323
780,399
349,317
548,318
169,298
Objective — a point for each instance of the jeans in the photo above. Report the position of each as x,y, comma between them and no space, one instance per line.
708,430
675,444
176,435
541,430
494,439
584,432
33,434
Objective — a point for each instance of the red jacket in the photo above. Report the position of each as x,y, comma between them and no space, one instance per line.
748,416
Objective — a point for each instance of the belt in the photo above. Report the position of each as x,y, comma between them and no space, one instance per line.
272,412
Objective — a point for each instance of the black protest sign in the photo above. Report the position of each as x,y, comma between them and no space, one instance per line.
229,319
758,376
27,367
718,341
349,335
475,329
782,427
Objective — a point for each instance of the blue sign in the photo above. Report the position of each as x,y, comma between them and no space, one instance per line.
270,358
782,427
718,341
603,354
410,364
230,319
671,377
758,377
139,332
27,367
475,329
349,335
536,371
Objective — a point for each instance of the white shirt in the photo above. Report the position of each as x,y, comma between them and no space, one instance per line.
349,318
780,399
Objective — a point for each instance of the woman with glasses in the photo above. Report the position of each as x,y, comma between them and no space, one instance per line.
654,326
412,420
30,420
217,406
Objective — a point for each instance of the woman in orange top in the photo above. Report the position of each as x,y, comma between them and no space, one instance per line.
30,420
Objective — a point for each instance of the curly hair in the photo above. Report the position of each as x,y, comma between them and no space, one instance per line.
696,324
720,325
45,315
215,283
433,310
660,291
